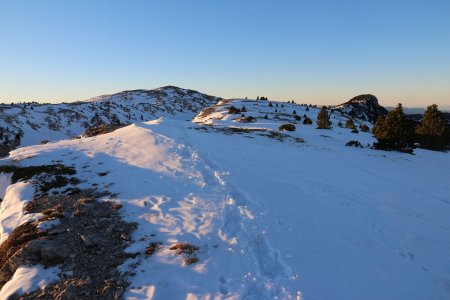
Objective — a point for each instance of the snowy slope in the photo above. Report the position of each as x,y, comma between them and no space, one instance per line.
274,214
52,122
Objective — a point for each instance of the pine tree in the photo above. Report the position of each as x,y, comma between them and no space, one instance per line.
307,121
433,131
394,132
350,124
364,128
323,119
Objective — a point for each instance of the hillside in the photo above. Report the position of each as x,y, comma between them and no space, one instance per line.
51,122
225,205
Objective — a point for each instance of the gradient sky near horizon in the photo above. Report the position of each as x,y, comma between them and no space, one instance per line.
321,52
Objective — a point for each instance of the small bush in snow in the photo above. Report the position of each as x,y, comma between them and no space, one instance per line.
287,127
233,110
248,119
364,128
354,143
350,124
307,121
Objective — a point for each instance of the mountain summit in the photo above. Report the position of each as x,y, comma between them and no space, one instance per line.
364,107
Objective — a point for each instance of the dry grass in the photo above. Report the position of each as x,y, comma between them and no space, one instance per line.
191,260
20,237
184,248
152,248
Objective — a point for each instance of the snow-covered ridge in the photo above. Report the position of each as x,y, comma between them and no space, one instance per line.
50,122
269,115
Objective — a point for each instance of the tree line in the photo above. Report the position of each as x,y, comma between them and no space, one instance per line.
396,132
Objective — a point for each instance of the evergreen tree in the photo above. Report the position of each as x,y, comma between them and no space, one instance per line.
433,132
394,132
323,119
307,108
307,121
350,124
364,128
270,104
294,112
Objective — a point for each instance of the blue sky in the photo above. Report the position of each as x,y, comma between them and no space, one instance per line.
321,52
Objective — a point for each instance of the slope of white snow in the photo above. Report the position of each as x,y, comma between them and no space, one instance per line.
11,210
272,217
28,279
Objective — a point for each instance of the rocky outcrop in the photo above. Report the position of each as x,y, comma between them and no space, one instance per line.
87,242
365,107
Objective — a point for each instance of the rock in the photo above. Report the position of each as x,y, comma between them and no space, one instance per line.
70,293
57,230
87,241
5,275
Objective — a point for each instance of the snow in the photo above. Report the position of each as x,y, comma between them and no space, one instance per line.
46,225
272,219
11,210
28,279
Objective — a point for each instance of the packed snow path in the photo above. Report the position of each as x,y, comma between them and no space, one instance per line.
271,219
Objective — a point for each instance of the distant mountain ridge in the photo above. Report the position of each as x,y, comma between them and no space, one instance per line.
34,122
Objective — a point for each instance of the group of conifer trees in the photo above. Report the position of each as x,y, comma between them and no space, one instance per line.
396,132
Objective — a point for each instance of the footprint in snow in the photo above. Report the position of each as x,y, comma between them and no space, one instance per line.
222,286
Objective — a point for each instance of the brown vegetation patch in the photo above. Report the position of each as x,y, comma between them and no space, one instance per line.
10,249
187,250
152,248
184,248
259,131
101,129
191,260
